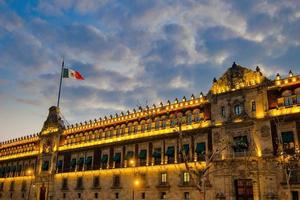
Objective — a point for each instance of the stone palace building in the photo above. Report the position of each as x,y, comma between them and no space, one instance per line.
238,142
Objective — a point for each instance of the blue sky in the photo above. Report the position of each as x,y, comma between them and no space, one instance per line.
132,52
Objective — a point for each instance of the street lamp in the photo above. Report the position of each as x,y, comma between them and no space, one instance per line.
136,183
132,162
29,172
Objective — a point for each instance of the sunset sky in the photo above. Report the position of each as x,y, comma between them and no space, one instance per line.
132,53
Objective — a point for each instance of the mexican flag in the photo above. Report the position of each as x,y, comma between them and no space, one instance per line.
69,73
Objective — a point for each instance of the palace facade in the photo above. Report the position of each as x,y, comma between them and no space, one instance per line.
239,141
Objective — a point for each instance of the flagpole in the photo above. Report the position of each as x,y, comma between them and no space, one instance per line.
61,78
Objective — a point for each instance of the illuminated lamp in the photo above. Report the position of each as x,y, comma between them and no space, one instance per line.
201,94
176,100
192,97
291,73
161,104
278,76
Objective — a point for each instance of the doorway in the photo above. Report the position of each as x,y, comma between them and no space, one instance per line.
243,189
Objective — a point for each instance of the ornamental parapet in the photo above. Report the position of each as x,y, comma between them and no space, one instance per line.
89,140
141,113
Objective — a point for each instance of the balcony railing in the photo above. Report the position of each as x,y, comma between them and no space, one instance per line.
288,101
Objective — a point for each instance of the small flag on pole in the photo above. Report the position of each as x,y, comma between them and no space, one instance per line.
69,73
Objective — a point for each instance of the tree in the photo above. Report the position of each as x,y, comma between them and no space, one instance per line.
199,177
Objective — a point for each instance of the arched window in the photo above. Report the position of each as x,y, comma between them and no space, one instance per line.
197,117
136,127
118,131
297,92
163,123
157,124
123,129
143,126
102,133
288,100
149,125
107,133
112,132
238,109
189,118
129,128
173,121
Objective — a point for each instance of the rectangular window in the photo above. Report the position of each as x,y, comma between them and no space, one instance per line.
117,160
185,153
116,181
143,179
143,157
163,178
241,143
223,111
88,162
157,156
45,165
170,154
79,184
104,160
1,172
129,155
12,186
96,182
243,189
186,195
163,195
59,165
295,195
1,186
64,184
96,195
73,164
253,106
186,178
24,186
80,164
201,151
143,196
288,142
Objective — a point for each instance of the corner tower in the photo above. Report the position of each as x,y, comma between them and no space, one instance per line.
46,162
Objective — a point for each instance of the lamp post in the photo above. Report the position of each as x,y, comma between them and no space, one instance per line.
29,172
132,162
135,184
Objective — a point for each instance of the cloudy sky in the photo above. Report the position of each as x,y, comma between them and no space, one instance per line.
132,53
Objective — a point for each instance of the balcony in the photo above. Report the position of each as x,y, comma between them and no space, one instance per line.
163,186
288,101
286,105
